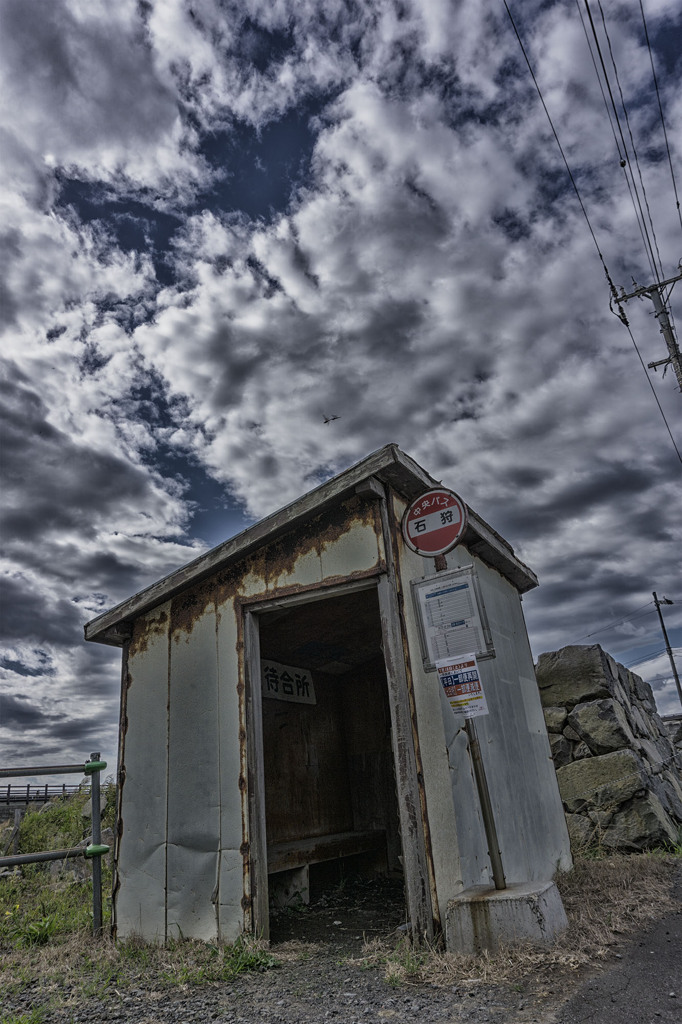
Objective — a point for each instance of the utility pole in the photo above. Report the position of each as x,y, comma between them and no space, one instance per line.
654,292
658,602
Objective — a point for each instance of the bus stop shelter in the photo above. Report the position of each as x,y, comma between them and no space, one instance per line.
281,709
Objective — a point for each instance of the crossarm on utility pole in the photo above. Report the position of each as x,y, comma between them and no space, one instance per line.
654,292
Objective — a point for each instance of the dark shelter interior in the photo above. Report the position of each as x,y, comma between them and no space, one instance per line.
330,798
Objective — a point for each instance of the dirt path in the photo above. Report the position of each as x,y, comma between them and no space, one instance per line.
322,980
643,987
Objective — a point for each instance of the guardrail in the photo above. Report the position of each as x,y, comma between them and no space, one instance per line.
94,851
12,794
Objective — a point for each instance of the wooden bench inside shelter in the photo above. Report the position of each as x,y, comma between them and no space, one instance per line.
295,857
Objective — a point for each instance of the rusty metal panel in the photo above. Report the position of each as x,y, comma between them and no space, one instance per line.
256,900
193,768
141,897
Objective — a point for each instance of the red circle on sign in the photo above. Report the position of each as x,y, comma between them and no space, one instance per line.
435,522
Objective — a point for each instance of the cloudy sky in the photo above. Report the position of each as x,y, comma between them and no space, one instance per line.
225,220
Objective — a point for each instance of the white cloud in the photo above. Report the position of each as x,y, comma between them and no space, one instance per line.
431,282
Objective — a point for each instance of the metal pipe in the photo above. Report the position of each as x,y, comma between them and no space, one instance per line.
53,769
486,805
92,767
39,858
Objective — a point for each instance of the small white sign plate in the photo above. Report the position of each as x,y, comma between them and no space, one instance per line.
285,682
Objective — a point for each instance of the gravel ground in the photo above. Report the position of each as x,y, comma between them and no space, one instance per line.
320,981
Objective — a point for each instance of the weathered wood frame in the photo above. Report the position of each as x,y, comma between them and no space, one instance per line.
408,783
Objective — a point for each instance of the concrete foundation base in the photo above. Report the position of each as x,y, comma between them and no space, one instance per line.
484,918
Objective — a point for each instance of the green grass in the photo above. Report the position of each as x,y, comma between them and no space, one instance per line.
35,1016
207,962
34,905
46,944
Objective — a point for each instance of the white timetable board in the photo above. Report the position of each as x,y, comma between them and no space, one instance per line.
451,616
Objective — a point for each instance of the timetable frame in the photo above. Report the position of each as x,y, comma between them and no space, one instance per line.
455,623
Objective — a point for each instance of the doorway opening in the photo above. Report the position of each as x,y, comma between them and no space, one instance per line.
331,810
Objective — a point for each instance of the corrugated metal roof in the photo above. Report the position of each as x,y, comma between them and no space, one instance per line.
389,465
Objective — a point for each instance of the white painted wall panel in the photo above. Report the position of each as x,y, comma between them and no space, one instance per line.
141,899
193,779
231,884
352,551
534,841
231,872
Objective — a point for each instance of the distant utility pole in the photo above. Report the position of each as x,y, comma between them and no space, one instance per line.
654,292
658,602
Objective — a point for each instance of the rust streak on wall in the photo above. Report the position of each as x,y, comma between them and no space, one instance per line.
144,629
120,778
187,608
245,848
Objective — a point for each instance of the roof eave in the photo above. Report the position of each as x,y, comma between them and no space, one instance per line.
389,464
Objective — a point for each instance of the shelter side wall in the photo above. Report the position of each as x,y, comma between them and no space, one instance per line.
515,749
183,866
140,899
193,769
453,828
523,785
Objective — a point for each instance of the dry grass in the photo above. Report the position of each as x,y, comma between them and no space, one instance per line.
605,899
72,968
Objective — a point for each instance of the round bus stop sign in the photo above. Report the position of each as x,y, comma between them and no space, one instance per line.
435,522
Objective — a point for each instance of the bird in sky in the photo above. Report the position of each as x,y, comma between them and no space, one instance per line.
328,419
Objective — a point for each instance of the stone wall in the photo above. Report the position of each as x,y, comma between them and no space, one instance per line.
673,725
620,776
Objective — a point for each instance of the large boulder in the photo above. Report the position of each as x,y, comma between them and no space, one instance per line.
555,718
562,749
581,831
617,765
604,782
602,725
574,675
640,825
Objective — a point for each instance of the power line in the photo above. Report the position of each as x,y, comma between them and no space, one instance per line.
614,294
617,622
561,150
632,141
660,108
625,156
649,657
623,163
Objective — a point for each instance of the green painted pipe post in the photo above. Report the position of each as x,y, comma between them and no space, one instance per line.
93,767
